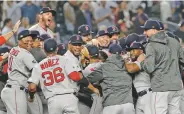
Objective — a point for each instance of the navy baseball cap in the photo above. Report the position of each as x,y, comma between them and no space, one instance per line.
25,33
113,30
62,48
161,25
93,50
50,45
76,39
4,50
47,9
44,37
131,38
151,24
142,39
122,43
135,45
37,34
115,49
84,30
102,33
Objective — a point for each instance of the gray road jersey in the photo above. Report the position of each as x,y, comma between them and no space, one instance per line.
42,31
74,62
20,64
52,73
141,81
90,68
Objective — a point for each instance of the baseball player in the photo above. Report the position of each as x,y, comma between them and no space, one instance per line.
141,81
116,83
45,20
20,64
36,106
37,50
103,37
85,32
95,62
74,55
114,33
55,74
163,55
3,75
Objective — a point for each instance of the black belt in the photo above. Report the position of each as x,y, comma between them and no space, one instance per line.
144,92
21,88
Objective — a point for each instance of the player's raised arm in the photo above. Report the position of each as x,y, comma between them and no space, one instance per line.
7,36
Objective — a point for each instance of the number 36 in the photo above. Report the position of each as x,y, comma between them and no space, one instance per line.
51,77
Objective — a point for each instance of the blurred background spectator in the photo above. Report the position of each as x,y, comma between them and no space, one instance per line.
30,10
83,15
139,20
12,10
24,24
125,14
103,15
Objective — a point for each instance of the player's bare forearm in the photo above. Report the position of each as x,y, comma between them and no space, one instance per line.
92,88
132,67
8,35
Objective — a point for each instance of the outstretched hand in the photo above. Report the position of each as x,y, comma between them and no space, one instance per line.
16,27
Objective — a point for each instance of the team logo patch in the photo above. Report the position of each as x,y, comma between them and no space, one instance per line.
106,31
113,27
132,43
77,37
87,28
63,46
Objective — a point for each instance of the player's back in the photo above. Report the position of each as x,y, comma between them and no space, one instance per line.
20,63
54,79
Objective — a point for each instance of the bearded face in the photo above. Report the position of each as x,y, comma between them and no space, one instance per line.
47,18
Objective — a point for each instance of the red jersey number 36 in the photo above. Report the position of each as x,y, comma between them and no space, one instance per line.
52,77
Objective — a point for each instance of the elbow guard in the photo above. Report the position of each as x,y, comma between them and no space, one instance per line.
83,82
